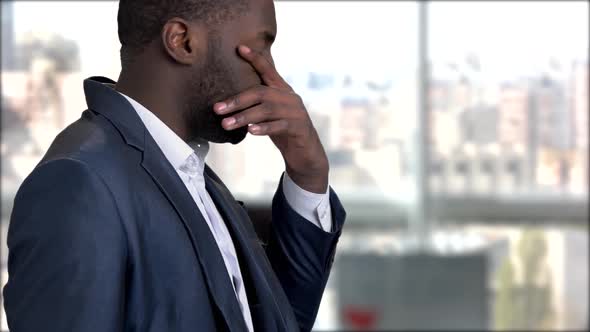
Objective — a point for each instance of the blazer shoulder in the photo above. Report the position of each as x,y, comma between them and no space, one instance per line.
67,173
91,133
93,141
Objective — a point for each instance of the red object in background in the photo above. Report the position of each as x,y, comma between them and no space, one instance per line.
360,318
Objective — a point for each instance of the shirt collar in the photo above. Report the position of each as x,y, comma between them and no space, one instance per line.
174,148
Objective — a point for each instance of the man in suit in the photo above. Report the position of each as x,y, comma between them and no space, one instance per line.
123,227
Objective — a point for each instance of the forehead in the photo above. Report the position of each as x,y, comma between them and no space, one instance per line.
259,16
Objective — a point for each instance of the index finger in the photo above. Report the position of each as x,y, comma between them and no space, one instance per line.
264,67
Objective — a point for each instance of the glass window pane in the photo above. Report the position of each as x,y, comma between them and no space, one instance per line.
48,48
508,168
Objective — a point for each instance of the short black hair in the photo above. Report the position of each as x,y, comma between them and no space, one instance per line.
140,21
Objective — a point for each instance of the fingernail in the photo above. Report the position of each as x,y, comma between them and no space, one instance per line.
220,106
254,129
228,122
245,49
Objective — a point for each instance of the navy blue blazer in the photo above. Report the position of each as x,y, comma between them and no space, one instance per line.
104,236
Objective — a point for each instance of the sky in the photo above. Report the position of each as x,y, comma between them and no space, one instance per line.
510,37
364,38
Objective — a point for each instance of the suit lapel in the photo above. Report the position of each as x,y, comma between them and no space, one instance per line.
246,242
204,244
103,100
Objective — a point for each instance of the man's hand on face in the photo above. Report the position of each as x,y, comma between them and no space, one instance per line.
274,109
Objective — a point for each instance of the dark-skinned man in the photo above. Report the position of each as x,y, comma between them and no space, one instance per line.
123,227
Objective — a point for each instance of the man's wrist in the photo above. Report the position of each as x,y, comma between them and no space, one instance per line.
315,182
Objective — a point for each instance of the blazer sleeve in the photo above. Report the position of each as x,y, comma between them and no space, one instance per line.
301,255
67,253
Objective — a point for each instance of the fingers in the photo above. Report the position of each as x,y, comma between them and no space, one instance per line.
242,100
264,67
253,115
271,128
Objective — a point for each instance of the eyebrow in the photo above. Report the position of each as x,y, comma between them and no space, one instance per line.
267,36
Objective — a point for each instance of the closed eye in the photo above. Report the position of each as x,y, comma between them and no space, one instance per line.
267,37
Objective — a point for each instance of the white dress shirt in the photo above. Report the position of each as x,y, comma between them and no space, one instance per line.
189,162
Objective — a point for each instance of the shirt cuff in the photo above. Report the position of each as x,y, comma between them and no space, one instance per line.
311,206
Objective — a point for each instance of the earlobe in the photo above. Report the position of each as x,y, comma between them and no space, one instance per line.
180,42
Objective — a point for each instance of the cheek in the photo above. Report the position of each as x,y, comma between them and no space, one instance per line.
246,75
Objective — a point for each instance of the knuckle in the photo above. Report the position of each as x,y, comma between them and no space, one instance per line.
266,109
284,125
260,92
235,101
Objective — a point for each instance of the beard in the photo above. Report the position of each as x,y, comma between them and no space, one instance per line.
213,83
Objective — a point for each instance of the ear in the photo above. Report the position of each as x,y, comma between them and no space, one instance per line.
183,41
